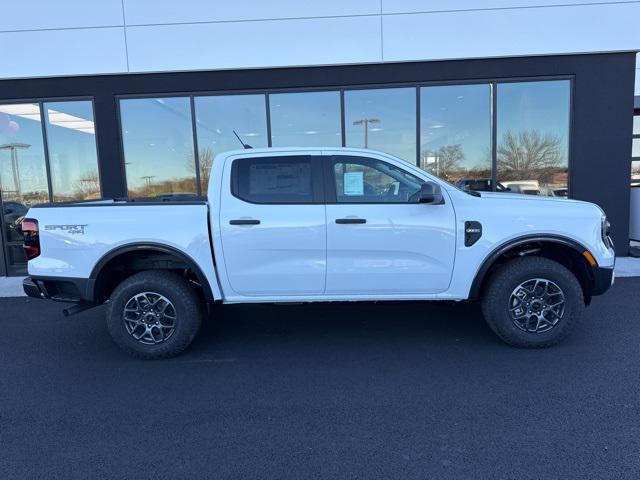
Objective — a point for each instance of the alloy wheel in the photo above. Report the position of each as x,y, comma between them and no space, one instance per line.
536,305
150,318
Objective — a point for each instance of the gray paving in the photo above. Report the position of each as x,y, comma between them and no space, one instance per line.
323,391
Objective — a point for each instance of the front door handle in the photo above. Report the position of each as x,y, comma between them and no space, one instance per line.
342,221
244,221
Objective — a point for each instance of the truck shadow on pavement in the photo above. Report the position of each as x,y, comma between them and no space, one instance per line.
360,323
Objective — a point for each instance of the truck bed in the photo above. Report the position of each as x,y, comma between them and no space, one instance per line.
76,237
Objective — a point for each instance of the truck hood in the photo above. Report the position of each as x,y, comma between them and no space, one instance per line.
522,196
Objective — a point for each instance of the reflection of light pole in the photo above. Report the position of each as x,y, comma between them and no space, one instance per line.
14,163
147,179
366,122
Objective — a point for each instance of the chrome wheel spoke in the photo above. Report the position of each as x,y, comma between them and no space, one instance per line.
536,305
149,317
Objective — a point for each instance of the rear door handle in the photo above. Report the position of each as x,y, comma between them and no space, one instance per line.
244,221
342,221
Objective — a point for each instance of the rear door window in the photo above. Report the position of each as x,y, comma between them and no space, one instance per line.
275,180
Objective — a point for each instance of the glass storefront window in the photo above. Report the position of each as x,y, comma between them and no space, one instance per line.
455,134
73,160
306,119
533,137
635,173
23,174
157,138
216,119
382,119
22,160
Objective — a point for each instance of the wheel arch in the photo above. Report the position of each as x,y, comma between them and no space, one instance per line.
96,278
545,245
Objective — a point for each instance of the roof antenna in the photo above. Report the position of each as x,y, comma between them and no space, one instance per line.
244,145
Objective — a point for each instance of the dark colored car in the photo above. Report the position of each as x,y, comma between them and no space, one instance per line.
480,185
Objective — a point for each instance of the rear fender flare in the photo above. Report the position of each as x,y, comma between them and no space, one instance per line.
157,247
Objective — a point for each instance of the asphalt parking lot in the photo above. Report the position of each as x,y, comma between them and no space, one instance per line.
322,391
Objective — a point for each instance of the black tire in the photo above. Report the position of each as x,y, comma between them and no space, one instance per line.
497,294
185,303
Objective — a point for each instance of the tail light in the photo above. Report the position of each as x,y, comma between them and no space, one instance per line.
31,238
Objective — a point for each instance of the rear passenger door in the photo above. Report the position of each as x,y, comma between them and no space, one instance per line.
272,224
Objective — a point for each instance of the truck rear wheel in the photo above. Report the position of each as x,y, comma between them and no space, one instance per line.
532,302
154,314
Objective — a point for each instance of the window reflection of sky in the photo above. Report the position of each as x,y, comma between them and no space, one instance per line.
218,116
158,145
72,152
541,106
389,114
457,115
24,177
533,135
308,119
455,126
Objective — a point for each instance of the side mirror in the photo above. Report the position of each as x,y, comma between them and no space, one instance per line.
431,193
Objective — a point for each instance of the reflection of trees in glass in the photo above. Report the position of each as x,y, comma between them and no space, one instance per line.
530,154
206,161
447,162
205,158
152,187
86,187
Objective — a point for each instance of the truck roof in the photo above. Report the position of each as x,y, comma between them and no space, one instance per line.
275,150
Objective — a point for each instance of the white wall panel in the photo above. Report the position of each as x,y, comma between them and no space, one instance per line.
62,52
511,32
408,6
638,82
40,14
154,12
254,44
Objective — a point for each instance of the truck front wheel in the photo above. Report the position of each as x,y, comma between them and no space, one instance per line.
532,302
153,314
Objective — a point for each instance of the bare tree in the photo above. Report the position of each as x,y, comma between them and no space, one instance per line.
447,161
529,154
88,185
206,161
205,158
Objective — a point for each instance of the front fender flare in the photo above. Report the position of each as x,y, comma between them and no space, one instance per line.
490,259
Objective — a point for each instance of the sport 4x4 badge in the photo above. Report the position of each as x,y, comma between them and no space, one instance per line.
72,229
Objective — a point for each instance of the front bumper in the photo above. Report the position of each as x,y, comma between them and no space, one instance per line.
603,278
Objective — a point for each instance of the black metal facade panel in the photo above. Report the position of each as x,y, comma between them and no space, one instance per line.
602,96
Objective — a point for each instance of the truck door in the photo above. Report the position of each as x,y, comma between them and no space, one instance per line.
273,225
380,240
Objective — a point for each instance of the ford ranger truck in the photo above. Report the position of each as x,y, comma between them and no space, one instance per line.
283,225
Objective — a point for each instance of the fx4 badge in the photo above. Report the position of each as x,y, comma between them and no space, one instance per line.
72,229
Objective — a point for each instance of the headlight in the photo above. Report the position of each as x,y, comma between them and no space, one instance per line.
605,230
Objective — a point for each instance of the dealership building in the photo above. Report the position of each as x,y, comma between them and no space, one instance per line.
135,98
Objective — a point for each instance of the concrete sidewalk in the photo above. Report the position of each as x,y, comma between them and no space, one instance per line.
625,267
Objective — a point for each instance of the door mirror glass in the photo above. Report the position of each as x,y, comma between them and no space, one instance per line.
431,193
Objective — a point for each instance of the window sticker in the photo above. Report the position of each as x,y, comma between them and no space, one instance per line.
353,183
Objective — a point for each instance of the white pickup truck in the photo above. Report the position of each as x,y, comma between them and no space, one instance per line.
318,225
